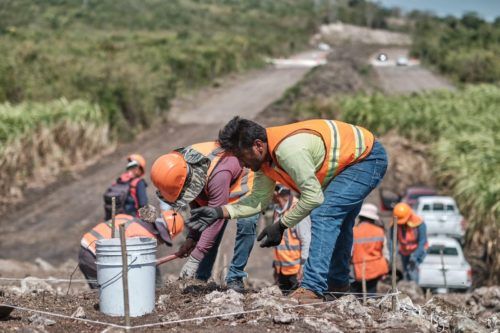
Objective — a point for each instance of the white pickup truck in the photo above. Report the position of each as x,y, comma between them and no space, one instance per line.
445,266
441,215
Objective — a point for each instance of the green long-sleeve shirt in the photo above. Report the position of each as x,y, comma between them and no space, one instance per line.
300,155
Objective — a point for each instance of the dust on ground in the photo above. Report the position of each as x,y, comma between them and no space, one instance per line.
181,308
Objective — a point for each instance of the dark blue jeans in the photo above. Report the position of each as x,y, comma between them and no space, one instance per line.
245,238
332,222
410,269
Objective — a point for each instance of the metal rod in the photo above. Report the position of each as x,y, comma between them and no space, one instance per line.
113,213
394,247
123,243
443,269
363,281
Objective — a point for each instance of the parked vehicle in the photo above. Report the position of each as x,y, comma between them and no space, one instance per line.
445,266
402,61
441,215
414,192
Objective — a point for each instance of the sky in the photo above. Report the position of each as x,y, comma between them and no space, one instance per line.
488,9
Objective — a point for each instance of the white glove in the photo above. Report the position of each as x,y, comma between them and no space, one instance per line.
189,269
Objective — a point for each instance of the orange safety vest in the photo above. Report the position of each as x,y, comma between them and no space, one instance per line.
287,255
127,178
408,243
345,144
240,187
133,228
368,246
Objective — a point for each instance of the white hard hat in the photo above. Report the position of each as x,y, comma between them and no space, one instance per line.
370,211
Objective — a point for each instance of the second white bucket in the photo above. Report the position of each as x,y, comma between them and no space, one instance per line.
141,253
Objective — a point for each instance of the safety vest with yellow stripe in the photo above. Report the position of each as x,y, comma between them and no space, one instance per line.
240,187
133,228
345,144
287,255
368,248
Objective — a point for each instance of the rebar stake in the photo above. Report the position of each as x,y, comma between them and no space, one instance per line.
113,213
123,244
363,281
394,247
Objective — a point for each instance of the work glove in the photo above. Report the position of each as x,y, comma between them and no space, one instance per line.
273,234
203,217
189,269
186,248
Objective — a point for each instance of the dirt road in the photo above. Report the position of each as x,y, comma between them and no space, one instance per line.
51,224
396,79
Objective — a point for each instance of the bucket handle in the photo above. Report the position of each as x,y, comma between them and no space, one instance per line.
118,275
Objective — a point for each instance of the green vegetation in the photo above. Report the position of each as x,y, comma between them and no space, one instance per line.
467,49
463,130
357,12
132,56
121,63
462,127
37,140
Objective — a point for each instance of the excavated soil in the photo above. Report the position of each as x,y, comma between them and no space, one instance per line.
181,309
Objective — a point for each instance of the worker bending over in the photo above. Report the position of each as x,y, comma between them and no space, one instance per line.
199,175
412,240
147,225
331,164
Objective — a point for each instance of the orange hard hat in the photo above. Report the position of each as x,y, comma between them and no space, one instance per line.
402,211
168,174
175,222
139,159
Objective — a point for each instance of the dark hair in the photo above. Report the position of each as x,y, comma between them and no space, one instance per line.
240,134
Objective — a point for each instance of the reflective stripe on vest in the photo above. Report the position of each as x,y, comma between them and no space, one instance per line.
368,247
345,144
240,187
133,228
408,242
287,255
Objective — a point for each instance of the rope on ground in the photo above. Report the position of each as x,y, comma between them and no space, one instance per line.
47,279
54,314
237,313
173,321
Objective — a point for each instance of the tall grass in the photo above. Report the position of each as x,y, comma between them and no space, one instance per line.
132,56
463,130
39,140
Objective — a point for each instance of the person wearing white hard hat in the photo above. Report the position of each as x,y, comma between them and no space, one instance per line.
369,254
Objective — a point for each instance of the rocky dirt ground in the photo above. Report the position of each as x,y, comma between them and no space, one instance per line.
182,307
30,247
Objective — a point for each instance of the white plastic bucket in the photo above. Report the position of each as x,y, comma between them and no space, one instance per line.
141,253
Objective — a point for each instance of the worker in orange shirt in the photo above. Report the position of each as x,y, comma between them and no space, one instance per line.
370,253
293,251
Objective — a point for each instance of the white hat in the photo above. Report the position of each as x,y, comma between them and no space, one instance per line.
370,211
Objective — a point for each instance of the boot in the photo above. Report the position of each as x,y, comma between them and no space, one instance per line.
336,291
306,296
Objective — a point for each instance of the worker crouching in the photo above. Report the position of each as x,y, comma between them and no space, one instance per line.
145,226
292,253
